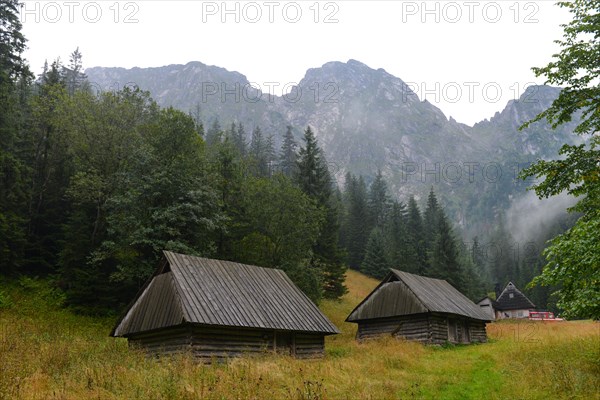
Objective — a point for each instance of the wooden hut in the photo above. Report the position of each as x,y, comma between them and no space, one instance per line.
219,309
418,308
512,303
487,305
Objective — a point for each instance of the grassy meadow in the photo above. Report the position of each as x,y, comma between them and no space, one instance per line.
49,353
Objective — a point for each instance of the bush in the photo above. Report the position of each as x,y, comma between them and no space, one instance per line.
5,300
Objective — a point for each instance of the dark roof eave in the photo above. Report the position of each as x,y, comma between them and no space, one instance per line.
428,312
183,324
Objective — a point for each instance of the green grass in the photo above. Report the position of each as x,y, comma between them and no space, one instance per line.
47,352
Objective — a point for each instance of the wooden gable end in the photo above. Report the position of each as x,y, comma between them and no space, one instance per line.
157,307
391,298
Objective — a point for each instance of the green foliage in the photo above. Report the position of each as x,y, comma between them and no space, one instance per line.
42,295
573,256
444,256
314,180
240,139
282,223
313,177
375,263
308,277
431,217
576,172
262,153
402,239
328,253
378,201
214,134
576,68
101,153
574,263
5,300
12,43
14,78
416,238
162,202
400,252
356,230
288,157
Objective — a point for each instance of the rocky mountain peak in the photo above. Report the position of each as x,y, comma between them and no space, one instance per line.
368,120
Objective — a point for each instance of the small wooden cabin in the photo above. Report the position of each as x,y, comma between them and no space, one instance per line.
487,305
512,303
418,308
221,309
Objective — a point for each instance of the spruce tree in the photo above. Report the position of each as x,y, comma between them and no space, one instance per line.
473,283
269,156
375,263
288,156
240,140
430,219
444,255
312,175
416,239
356,227
257,143
395,233
231,132
258,152
502,255
214,134
13,175
314,180
12,65
196,115
379,201
75,78
53,75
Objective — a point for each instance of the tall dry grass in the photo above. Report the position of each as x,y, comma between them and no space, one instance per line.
49,353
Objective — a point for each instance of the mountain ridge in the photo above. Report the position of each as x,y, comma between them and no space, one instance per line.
368,120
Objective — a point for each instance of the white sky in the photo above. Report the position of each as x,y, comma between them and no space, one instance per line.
471,57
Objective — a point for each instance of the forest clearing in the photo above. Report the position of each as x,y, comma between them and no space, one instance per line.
47,352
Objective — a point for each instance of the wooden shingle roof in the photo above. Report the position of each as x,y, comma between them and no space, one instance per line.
402,293
189,289
512,298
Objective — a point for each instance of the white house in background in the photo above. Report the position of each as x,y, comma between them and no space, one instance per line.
512,303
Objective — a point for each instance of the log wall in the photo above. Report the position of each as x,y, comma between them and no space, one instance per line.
163,341
478,332
309,345
410,327
439,328
208,343
429,328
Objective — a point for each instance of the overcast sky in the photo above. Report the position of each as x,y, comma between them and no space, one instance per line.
467,57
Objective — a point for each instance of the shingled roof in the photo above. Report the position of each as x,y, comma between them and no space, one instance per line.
512,298
188,289
402,293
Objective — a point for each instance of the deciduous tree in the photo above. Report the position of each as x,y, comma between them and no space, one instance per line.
573,256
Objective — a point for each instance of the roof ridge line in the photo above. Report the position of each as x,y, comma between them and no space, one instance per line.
411,289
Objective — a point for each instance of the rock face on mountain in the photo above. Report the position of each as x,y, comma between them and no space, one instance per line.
367,119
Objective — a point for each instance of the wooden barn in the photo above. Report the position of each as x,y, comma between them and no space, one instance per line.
512,303
219,309
418,308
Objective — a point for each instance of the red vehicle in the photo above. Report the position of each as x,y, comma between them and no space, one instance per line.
543,316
